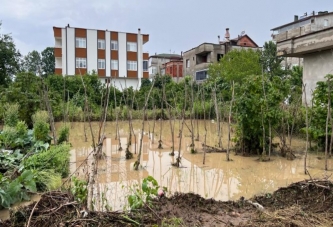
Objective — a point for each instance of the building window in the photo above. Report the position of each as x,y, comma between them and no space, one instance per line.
114,45
80,42
101,44
114,64
132,65
325,23
187,63
154,70
171,70
131,46
145,66
201,75
101,63
219,56
81,63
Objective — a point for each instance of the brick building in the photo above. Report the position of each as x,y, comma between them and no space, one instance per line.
174,69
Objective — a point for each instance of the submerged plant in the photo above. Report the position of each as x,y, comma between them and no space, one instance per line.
79,189
149,190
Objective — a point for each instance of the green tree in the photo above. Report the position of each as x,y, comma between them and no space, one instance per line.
236,65
9,59
48,61
271,63
26,91
32,62
258,102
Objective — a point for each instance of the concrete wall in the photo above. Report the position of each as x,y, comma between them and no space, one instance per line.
64,50
107,54
306,44
91,50
70,51
121,82
316,67
122,51
140,58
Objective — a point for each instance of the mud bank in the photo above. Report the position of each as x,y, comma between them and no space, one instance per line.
305,203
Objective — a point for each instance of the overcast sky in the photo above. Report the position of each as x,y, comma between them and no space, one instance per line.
173,25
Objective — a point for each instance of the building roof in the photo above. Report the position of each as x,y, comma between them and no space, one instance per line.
239,37
200,45
303,19
165,55
99,30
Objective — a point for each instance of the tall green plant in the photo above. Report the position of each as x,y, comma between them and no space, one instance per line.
11,114
41,126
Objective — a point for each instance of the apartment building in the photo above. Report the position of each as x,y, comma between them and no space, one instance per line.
309,37
157,63
196,61
116,57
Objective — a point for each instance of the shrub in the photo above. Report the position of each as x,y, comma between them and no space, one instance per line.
57,158
41,126
22,129
63,134
11,113
47,179
8,137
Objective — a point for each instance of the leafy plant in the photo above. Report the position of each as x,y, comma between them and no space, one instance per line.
57,158
17,189
8,137
149,190
41,126
9,161
47,179
63,134
11,114
80,190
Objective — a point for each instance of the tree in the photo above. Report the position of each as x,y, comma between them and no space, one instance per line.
32,62
270,61
236,65
9,59
48,61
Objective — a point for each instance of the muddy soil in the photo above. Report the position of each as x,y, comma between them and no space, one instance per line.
305,203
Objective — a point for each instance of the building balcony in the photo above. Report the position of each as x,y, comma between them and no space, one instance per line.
307,43
202,66
204,48
57,52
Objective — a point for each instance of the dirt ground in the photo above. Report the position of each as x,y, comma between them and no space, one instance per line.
305,203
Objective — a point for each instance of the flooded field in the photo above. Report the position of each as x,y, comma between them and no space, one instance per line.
217,178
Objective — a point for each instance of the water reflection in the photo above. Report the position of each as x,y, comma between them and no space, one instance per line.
244,176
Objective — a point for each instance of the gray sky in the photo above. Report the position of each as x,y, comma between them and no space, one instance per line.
176,25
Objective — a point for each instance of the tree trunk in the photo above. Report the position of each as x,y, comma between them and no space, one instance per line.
137,163
229,122
307,129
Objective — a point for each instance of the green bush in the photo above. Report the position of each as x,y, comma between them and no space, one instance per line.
22,129
41,126
11,113
8,137
63,134
47,179
57,158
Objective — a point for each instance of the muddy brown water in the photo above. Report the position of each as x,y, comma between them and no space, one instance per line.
217,178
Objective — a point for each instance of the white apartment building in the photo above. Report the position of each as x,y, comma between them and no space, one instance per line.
116,57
